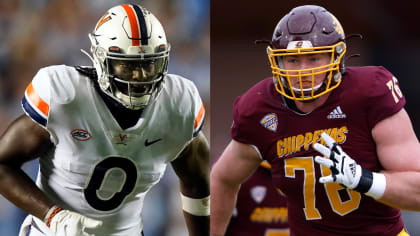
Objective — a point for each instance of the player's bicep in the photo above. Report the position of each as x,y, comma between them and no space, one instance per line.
192,167
236,163
23,140
397,145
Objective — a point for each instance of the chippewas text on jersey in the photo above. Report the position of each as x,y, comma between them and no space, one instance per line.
269,215
294,144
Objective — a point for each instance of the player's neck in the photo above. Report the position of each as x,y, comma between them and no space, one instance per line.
125,117
308,107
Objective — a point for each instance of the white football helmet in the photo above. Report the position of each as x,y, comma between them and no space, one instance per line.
130,54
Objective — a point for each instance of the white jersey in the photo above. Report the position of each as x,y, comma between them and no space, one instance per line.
96,168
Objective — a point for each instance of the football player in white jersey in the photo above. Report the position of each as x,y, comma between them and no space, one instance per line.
105,134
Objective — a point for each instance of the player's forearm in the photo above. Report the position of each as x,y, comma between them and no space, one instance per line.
18,188
402,190
197,225
195,204
222,204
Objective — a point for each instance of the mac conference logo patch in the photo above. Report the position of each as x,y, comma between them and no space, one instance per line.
270,122
258,193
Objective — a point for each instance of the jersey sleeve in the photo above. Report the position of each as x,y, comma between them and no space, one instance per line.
199,119
385,96
236,131
199,112
243,127
36,101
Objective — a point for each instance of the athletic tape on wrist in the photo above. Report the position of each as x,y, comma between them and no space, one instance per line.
365,182
196,206
377,189
51,213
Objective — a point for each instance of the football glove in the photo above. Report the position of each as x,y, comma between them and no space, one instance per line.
345,171
67,223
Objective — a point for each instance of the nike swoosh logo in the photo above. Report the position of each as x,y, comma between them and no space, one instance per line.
147,143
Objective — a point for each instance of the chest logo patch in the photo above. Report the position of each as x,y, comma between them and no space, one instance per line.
121,139
80,134
148,143
337,113
270,122
258,193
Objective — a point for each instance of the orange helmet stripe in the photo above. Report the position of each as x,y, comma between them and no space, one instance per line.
37,100
133,24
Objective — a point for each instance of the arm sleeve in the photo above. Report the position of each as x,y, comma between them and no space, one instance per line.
36,101
198,111
237,132
243,127
385,97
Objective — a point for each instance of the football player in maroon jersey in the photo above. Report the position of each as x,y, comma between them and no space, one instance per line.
355,116
260,209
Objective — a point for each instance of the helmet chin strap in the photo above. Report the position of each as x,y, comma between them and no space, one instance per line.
134,103
316,88
308,89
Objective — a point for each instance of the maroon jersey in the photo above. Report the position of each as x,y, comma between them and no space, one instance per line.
260,208
284,138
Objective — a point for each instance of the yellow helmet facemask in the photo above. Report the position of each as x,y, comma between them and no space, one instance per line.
282,77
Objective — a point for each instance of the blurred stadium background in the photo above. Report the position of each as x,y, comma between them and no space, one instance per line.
391,39
38,33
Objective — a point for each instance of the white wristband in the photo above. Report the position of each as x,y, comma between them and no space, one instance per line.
194,206
377,189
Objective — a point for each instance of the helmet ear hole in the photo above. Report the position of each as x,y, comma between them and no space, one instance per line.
275,81
337,77
339,49
100,54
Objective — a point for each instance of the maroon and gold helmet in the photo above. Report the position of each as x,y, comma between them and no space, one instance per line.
307,30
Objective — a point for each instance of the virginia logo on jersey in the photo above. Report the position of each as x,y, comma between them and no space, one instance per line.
123,139
80,134
337,113
270,122
258,193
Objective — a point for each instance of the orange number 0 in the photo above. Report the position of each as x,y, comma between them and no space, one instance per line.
331,189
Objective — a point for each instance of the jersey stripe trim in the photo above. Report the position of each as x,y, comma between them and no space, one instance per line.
36,100
133,24
142,22
28,233
199,121
200,117
257,150
266,165
196,131
31,112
